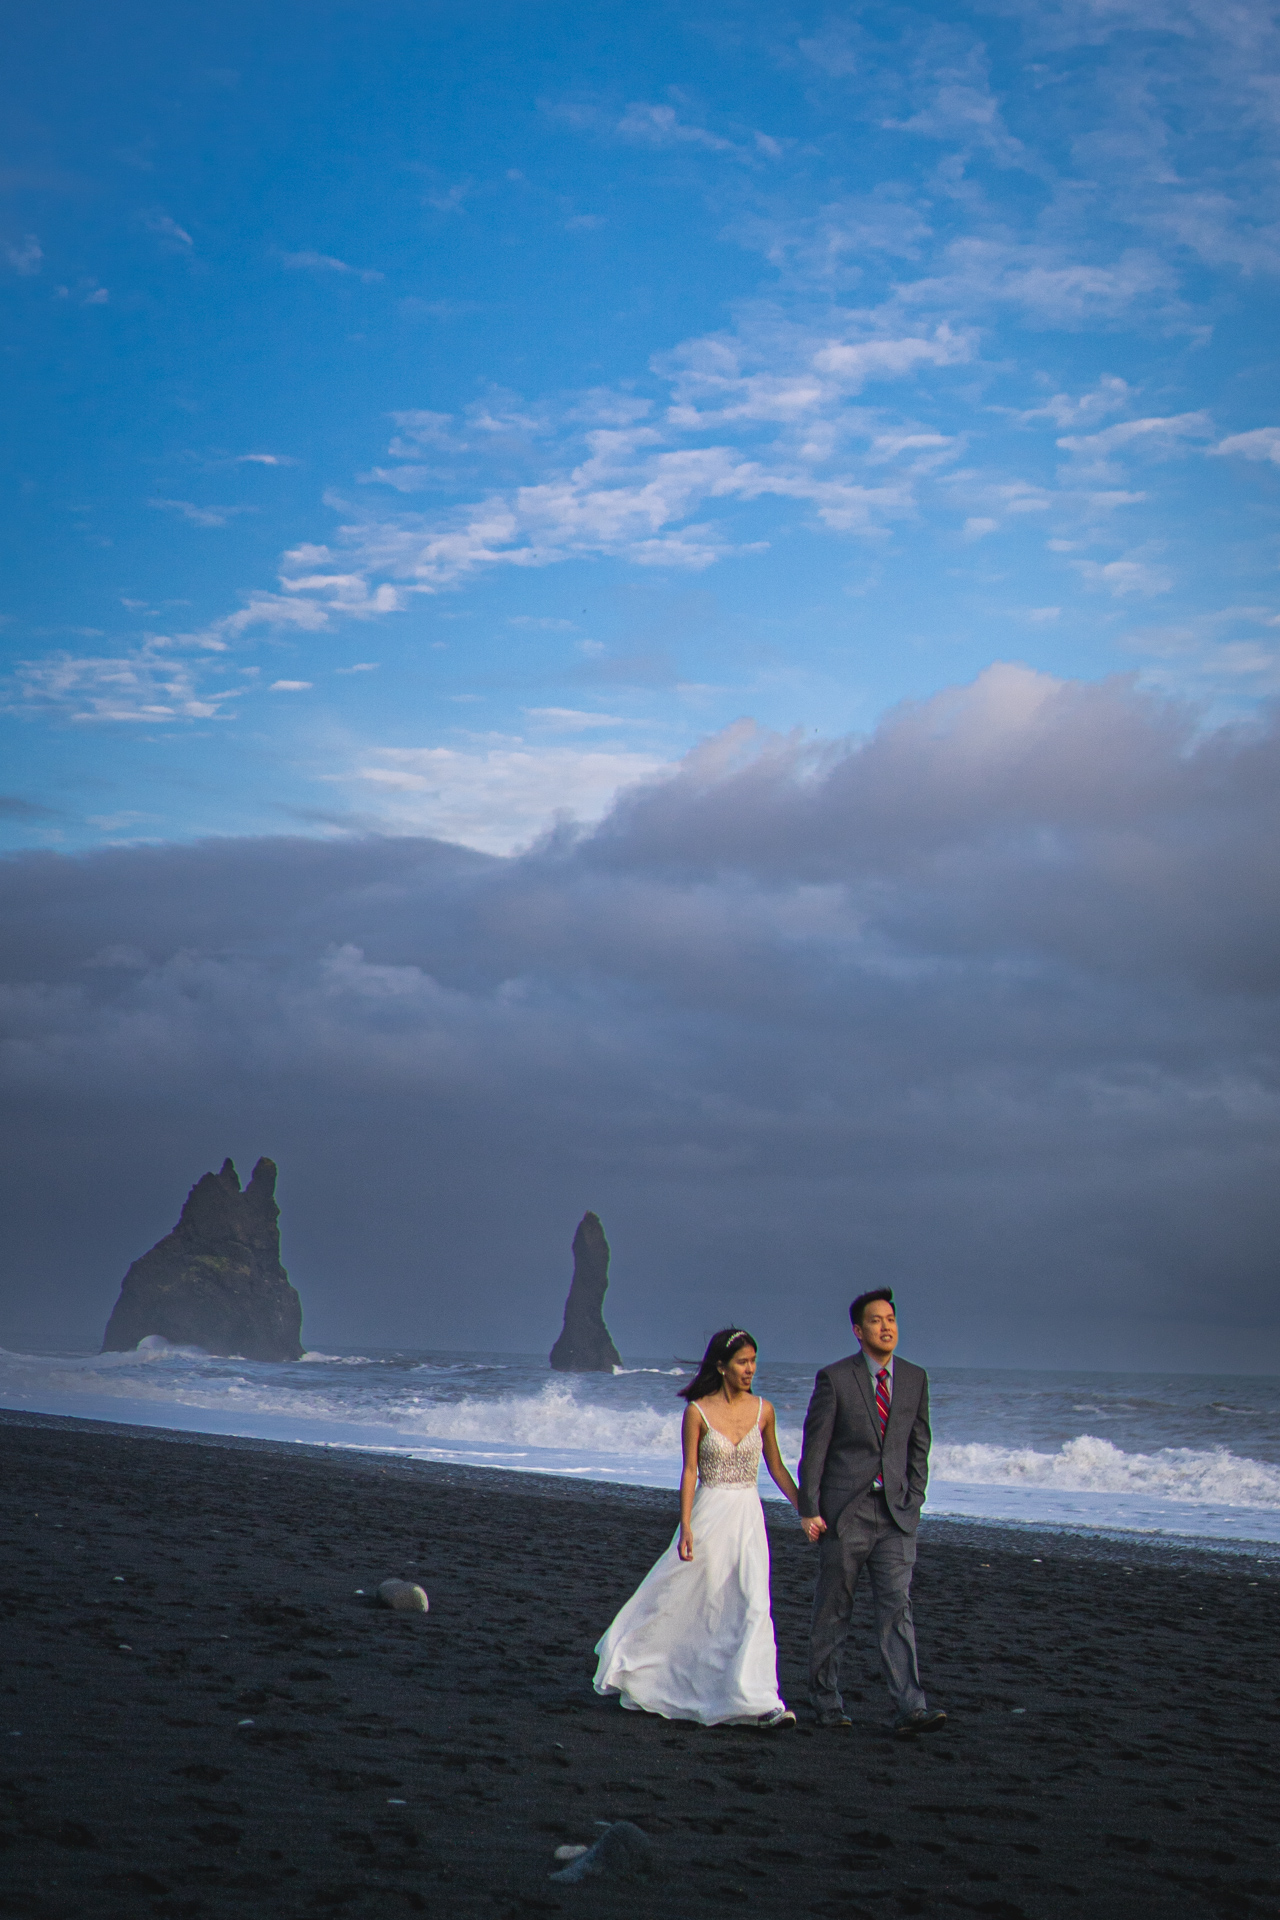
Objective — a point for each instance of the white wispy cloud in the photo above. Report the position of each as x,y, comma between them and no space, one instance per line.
833,244
198,516
658,124
773,373
1050,285
661,126
632,495
573,719
263,609
1110,395
448,198
311,262
1125,578
1260,443
166,228
501,797
957,104
997,500
345,593
25,256
1157,434
167,676
153,683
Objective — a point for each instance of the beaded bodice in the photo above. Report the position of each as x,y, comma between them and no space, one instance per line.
721,1464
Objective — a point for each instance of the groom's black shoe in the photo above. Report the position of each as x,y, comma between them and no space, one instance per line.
923,1720
834,1719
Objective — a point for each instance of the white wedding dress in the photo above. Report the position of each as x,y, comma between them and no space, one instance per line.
695,1640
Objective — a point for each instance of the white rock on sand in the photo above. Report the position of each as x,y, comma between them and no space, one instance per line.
404,1596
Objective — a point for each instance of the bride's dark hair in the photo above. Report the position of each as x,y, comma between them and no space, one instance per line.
720,1350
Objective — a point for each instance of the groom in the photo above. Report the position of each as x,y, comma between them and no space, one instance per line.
863,1472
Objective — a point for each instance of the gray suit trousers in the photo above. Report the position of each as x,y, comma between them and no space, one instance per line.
865,1537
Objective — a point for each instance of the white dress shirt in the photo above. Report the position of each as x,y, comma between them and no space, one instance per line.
874,1367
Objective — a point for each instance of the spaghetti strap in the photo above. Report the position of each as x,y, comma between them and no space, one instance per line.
706,1423
759,1411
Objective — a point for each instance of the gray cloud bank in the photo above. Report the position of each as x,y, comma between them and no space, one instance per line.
983,1005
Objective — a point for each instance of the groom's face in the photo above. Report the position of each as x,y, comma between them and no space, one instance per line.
878,1328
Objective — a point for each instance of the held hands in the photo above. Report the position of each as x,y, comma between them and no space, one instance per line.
813,1529
685,1548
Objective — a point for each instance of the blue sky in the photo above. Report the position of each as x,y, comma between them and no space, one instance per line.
432,419
831,456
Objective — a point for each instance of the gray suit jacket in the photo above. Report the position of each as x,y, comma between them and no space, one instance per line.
842,1451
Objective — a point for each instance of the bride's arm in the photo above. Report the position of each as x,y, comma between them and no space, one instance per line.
773,1459
690,1433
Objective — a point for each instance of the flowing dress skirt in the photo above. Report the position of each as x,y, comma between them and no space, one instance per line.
695,1640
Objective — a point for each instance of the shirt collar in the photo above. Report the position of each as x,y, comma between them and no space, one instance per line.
874,1366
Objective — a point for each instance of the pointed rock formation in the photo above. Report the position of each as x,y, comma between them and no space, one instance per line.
585,1346
216,1281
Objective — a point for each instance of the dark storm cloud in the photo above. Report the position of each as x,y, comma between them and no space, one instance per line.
984,1005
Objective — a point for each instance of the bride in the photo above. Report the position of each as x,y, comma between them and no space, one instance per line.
695,1640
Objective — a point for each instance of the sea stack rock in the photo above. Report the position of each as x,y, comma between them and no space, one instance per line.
216,1281
585,1346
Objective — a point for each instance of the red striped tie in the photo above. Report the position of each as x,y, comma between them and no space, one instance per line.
882,1398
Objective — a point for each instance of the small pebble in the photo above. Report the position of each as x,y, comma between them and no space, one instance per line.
397,1803
571,1853
245,1723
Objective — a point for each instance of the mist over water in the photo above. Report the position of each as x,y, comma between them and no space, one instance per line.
1178,1453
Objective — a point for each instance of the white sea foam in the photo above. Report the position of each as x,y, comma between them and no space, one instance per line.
555,1417
502,1411
1089,1465
241,1396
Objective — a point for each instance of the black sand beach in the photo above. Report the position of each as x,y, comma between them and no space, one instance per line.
199,1717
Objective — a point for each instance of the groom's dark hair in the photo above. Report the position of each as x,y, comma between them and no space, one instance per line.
864,1300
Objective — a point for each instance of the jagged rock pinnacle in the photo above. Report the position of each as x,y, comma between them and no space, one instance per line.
216,1281
585,1346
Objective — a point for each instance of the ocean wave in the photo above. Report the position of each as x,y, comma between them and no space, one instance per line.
489,1408
460,1366
1209,1477
555,1418
152,1351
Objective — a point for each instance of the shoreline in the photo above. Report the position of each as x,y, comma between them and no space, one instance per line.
1109,1542
204,1715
